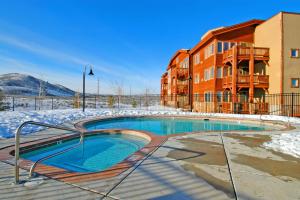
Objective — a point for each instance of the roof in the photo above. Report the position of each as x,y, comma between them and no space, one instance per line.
215,32
176,54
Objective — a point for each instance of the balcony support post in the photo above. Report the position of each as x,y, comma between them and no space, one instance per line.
234,74
251,72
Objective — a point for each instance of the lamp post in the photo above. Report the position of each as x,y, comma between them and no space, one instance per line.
83,85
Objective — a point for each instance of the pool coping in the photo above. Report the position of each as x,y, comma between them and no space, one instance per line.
7,156
279,125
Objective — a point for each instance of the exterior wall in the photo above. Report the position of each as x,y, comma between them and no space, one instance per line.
268,34
291,38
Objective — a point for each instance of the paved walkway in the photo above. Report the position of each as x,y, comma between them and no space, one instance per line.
185,167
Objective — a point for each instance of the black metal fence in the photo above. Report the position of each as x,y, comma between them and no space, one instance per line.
287,104
20,103
273,104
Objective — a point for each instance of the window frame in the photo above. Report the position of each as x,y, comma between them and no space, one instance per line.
297,79
297,53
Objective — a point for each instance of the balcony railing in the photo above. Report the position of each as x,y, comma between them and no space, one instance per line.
182,89
182,73
262,80
227,81
246,51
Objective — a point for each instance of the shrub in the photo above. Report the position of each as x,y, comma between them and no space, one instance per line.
111,101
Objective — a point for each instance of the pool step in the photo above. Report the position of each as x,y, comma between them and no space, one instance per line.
75,168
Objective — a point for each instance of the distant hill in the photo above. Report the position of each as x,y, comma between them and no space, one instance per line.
21,84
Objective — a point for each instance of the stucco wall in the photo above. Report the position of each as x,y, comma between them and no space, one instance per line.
291,38
268,34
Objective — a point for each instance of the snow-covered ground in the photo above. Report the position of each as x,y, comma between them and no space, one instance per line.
288,142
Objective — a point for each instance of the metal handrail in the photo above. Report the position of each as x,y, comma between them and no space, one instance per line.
17,141
51,156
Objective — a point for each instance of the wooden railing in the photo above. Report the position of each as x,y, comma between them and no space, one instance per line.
227,80
245,79
246,51
182,73
261,79
182,89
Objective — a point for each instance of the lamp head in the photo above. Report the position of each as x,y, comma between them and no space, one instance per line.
91,72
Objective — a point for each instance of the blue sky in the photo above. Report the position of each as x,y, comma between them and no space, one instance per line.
128,42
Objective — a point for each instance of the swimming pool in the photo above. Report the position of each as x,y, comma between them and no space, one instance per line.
96,153
169,126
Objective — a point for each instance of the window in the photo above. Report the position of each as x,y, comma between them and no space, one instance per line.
219,72
184,64
208,96
220,47
209,73
197,58
219,96
212,73
177,60
197,79
225,46
295,82
232,44
206,74
295,53
196,97
209,51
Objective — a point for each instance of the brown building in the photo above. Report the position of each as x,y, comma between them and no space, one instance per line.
232,68
175,87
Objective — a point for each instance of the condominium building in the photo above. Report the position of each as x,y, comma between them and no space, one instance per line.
281,33
175,82
232,68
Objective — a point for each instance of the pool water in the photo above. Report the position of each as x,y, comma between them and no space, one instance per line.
96,153
168,126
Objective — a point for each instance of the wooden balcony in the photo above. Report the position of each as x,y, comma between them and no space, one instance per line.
259,81
243,53
182,73
227,82
182,89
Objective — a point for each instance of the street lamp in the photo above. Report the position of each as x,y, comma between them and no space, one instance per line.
83,85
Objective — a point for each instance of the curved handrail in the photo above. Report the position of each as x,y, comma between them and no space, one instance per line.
17,141
51,156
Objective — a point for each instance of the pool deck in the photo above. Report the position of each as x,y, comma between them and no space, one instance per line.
184,167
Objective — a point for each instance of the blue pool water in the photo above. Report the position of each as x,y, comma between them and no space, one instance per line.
167,126
97,153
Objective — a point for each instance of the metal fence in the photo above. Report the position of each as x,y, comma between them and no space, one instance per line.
22,103
274,104
287,104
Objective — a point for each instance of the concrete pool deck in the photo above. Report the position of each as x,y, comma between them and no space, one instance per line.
184,167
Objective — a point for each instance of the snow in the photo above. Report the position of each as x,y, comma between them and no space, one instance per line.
288,142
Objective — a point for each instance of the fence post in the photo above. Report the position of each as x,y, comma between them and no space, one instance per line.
13,103
292,104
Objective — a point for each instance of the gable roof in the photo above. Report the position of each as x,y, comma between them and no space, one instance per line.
215,32
176,54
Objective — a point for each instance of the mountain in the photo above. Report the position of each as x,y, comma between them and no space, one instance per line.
21,84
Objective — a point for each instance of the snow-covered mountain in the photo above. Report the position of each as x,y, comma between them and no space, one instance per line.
21,84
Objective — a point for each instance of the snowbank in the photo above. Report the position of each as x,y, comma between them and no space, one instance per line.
288,143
